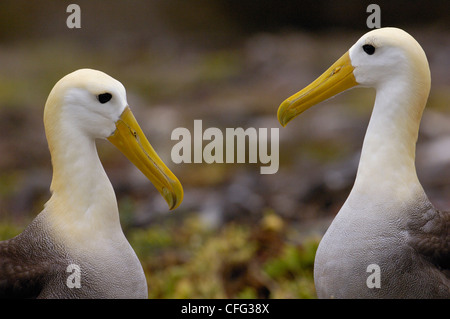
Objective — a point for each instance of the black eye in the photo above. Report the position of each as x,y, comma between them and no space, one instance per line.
369,49
104,97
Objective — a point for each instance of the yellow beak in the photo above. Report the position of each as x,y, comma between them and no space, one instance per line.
338,78
131,141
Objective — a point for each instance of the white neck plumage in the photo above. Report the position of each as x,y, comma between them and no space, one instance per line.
387,162
83,199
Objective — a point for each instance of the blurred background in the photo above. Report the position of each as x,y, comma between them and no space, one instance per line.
238,234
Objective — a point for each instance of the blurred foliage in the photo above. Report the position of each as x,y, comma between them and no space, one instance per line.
9,230
217,19
187,260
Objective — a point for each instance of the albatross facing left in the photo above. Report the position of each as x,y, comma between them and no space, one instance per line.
387,224
79,228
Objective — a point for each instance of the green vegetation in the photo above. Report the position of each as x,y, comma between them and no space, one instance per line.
9,230
187,260
237,261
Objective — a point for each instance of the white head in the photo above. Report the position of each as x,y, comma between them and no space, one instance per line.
392,62
88,104
387,57
89,100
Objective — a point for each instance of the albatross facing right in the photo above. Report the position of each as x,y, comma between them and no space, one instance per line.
78,233
387,227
